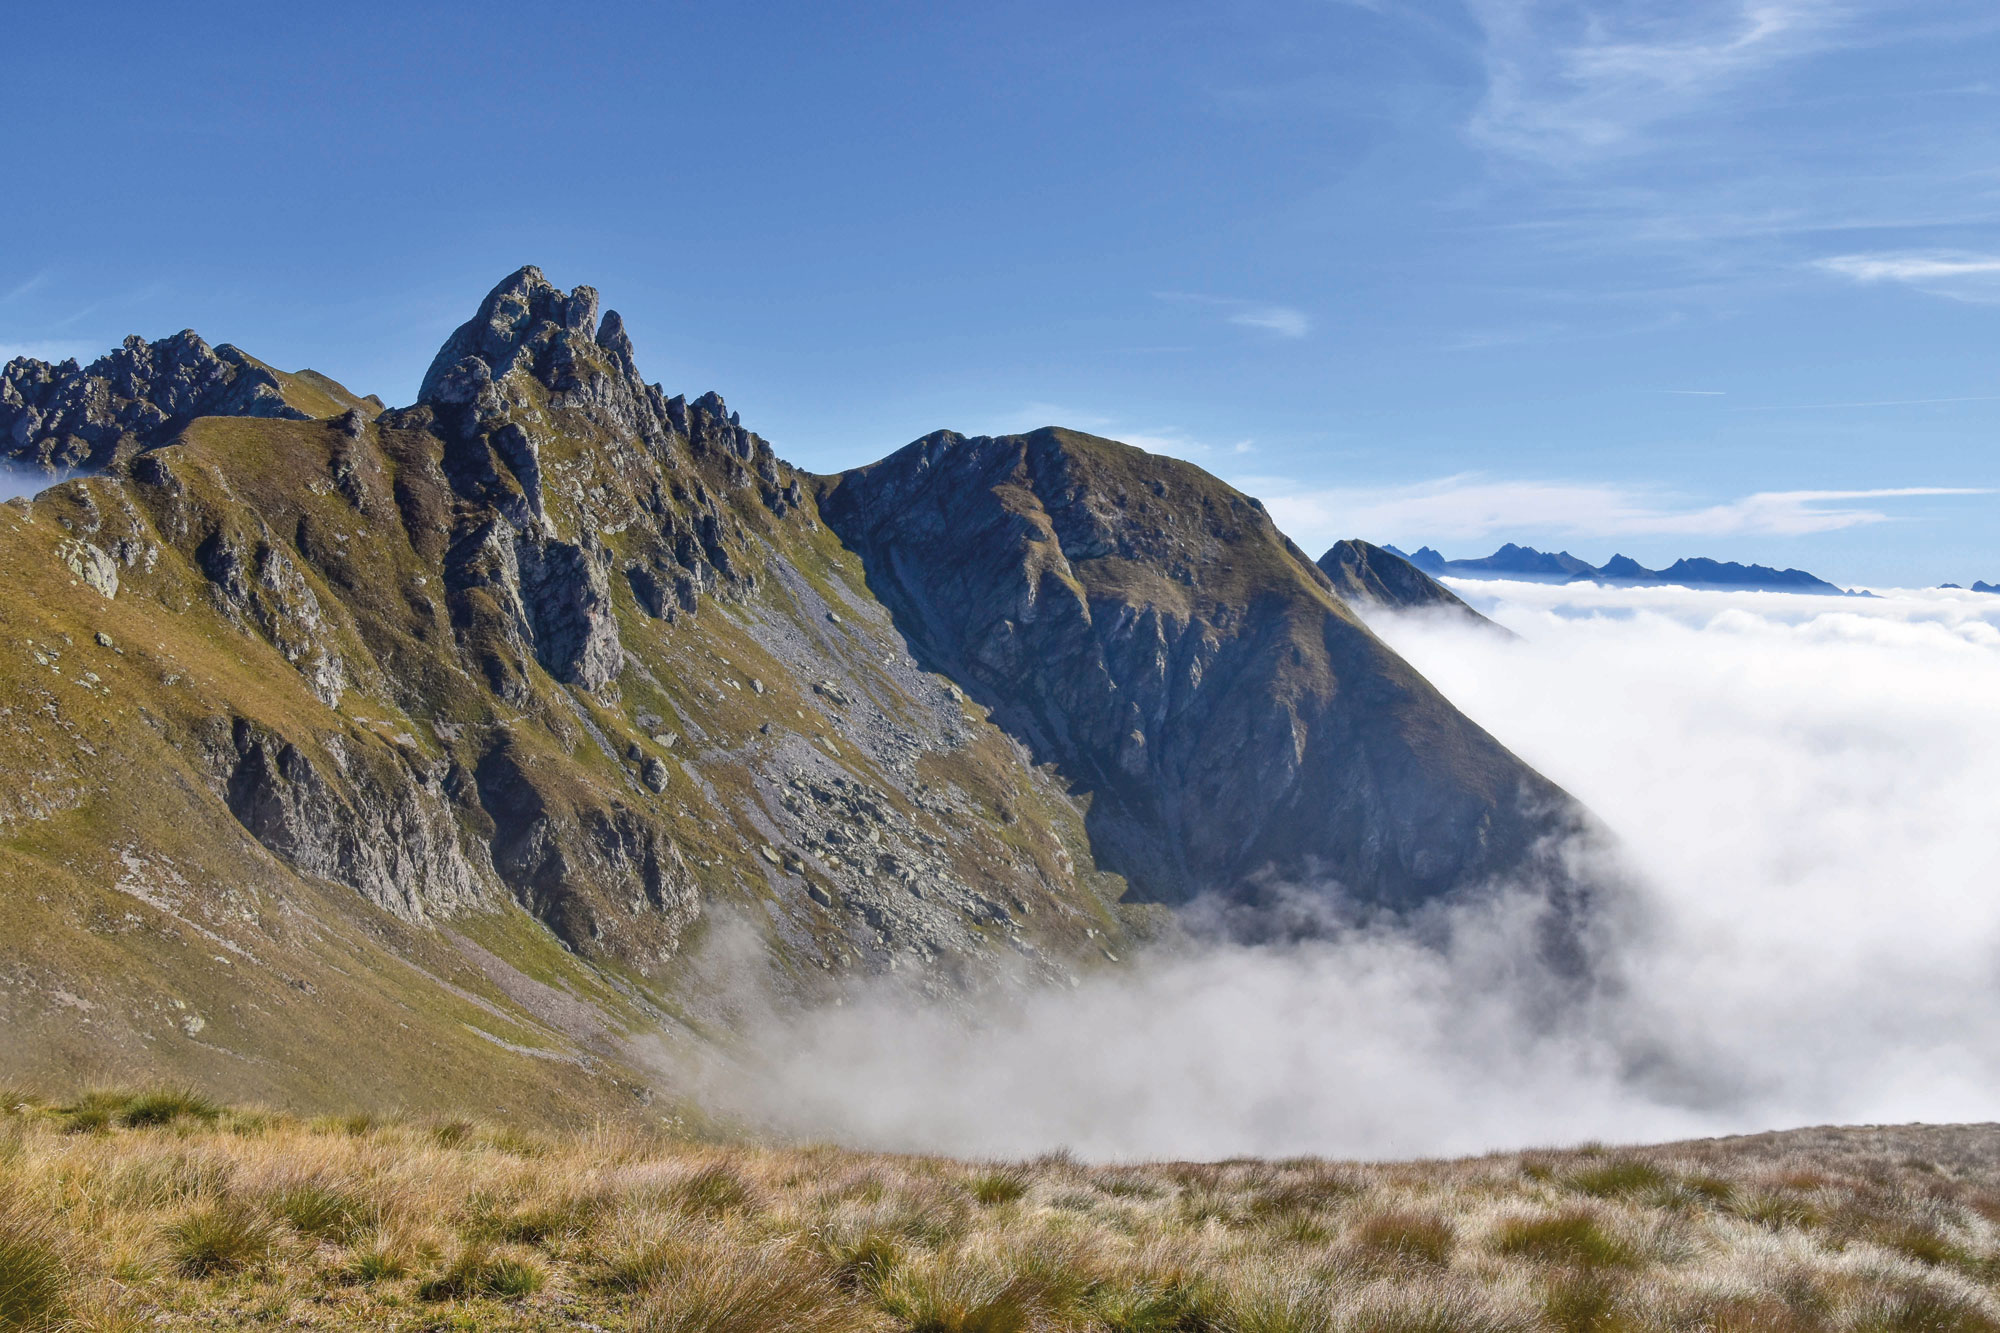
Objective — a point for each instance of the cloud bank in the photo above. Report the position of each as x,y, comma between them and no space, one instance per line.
16,482
1804,790
1471,507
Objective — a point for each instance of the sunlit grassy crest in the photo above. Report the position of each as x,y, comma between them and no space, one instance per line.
195,1215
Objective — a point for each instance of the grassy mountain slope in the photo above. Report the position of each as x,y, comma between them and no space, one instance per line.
420,754
360,771
161,1212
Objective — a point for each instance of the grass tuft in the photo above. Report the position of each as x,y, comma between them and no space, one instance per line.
322,1211
1404,1234
706,1287
1573,1238
378,1261
999,1185
479,1271
1173,1302
34,1272
1583,1302
943,1295
862,1258
218,1238
711,1192
1918,1307
164,1106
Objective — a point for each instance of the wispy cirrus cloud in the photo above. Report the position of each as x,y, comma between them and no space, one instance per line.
1958,274
1568,79
1282,320
1469,507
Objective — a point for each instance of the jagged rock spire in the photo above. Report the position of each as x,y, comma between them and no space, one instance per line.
64,417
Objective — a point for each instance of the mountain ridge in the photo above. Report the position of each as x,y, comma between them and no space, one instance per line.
1384,577
485,720
1513,561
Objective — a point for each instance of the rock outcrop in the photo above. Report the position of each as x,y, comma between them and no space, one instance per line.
384,830
69,418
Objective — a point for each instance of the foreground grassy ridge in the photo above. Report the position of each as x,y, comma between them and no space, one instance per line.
165,1211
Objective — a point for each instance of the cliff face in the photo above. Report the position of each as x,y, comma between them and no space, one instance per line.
1148,630
336,733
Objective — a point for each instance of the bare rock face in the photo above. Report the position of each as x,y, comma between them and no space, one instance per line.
389,836
592,872
93,566
1146,628
66,418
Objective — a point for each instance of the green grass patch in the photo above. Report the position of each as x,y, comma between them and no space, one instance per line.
999,1185
34,1272
1572,1238
218,1238
1618,1178
478,1271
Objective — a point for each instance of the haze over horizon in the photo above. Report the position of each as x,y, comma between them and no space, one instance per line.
1715,279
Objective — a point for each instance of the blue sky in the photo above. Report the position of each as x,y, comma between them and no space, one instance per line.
1705,277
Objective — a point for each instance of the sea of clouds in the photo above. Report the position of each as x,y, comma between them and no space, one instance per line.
1806,797
17,482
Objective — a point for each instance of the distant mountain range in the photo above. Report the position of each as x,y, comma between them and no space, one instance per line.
1525,562
1976,587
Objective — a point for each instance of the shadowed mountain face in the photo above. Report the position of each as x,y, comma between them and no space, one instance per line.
335,732
1146,628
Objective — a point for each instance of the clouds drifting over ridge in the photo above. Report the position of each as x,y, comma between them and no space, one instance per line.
1812,940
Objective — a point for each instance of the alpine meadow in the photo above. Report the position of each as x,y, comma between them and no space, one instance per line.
1038,813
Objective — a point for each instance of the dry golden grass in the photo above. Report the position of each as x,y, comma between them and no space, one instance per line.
163,1212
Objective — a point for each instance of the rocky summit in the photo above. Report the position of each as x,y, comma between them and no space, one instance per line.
1365,573
63,418
1151,633
476,751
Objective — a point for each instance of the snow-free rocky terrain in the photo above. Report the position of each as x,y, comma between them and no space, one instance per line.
419,756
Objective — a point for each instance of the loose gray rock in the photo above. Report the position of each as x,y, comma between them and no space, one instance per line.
91,565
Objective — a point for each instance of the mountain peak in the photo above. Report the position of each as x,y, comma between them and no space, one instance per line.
524,316
1525,562
65,417
1148,630
1385,577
